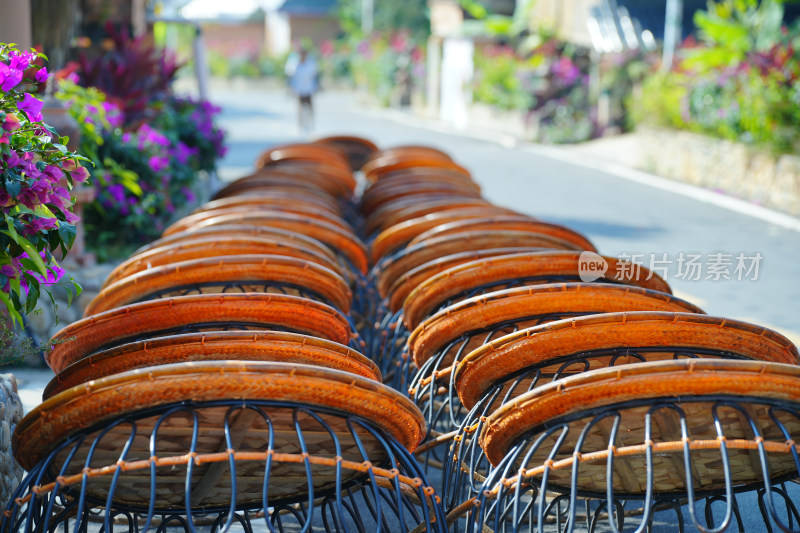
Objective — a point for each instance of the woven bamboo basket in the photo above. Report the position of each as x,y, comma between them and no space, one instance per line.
312,213
338,239
405,209
404,187
276,346
612,339
228,274
135,397
279,197
306,152
717,411
199,312
356,149
481,313
538,267
437,247
410,151
407,282
219,246
240,230
508,222
279,181
402,234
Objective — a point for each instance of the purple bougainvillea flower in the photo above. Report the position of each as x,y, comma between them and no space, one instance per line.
117,192
20,60
9,77
37,224
5,199
157,163
32,107
53,172
28,198
183,152
42,75
76,170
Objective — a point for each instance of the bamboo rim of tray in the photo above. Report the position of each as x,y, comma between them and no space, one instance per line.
218,246
373,169
421,253
403,233
306,152
95,402
89,334
480,312
246,269
512,222
338,239
268,197
437,289
275,181
400,211
241,230
376,197
276,346
643,381
634,330
246,210
402,286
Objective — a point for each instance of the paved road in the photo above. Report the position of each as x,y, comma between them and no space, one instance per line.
619,215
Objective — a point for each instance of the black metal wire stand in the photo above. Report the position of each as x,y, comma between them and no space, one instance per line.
324,478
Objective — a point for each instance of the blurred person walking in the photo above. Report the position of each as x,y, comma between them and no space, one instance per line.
303,77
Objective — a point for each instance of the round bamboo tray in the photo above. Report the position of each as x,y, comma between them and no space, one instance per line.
244,212
276,181
598,341
436,247
375,197
275,346
310,152
405,209
508,222
142,395
402,286
338,239
741,406
309,178
481,313
278,197
218,246
203,311
357,149
233,273
402,234
420,174
314,213
240,230
546,267
375,169
409,151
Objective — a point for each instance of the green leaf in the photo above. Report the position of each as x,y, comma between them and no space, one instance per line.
16,318
13,187
67,233
33,293
33,253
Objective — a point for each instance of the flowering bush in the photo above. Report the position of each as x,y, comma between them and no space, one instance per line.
741,82
37,172
388,66
143,173
550,81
